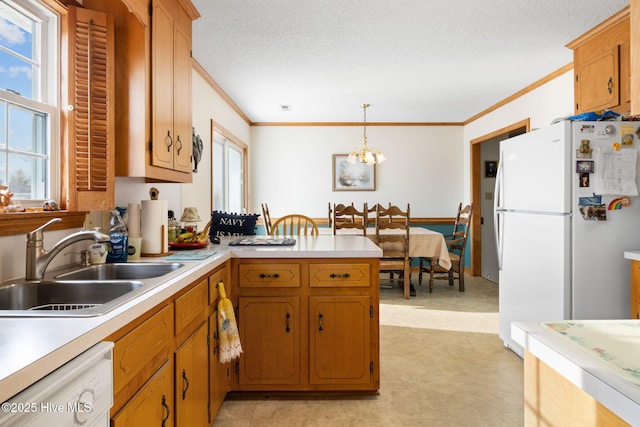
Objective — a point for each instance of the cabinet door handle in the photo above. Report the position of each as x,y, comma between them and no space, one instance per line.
167,409
287,318
320,322
186,384
170,144
269,276
610,85
339,276
179,145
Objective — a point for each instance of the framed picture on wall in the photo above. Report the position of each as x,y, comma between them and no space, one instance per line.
490,168
352,177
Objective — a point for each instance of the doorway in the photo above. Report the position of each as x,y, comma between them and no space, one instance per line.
484,151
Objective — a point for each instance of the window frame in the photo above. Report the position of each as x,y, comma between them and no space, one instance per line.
242,148
12,224
46,96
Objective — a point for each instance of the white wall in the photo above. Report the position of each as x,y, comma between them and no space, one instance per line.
542,105
291,168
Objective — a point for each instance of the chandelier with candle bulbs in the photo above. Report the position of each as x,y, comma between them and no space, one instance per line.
364,154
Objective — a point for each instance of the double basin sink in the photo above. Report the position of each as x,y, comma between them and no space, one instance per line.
88,291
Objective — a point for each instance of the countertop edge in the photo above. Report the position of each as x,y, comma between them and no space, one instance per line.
632,255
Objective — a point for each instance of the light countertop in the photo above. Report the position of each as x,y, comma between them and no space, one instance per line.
598,356
632,255
30,348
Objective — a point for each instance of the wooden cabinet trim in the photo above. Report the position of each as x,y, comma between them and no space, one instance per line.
635,289
599,29
23,222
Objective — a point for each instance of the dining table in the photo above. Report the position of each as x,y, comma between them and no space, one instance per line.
423,242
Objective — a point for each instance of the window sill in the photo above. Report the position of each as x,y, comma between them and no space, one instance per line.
23,222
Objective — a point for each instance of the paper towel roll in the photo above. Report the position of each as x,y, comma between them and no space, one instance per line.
154,224
133,223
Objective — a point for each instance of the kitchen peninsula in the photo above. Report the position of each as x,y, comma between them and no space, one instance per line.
319,277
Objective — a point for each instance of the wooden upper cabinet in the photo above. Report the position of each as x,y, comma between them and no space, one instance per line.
634,69
153,87
171,74
602,66
89,180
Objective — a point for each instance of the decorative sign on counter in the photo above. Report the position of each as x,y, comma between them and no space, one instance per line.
263,241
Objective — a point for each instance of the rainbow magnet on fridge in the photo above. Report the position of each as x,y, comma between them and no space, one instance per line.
619,203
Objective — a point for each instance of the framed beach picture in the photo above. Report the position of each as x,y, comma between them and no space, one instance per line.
352,177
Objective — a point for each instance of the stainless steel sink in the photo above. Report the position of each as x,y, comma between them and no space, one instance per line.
122,271
64,298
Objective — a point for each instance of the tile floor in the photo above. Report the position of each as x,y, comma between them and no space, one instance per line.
442,364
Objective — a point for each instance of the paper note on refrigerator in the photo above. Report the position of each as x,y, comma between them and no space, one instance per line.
615,172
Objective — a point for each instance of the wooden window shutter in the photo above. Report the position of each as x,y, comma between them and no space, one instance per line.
91,125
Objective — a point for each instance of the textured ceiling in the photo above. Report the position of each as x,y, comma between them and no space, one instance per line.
412,60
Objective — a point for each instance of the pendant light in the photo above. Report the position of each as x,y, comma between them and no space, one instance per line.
364,155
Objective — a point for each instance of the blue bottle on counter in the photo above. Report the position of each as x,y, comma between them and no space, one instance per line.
119,239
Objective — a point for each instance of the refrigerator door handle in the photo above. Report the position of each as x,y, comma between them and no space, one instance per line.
497,224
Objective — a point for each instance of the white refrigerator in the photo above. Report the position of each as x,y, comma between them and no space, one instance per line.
558,260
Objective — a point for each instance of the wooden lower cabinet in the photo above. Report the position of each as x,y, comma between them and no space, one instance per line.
340,349
191,386
138,353
192,356
635,289
270,337
311,325
305,325
552,400
152,405
165,372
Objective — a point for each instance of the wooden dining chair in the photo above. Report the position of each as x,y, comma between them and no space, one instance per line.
392,236
456,245
266,217
294,225
372,213
349,217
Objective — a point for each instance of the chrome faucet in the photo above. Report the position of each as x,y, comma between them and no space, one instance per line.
38,258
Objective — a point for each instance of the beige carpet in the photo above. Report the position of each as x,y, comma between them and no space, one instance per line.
442,364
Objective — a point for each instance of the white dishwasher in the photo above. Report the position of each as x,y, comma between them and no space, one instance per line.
79,393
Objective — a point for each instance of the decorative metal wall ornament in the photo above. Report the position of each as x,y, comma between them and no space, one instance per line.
198,147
